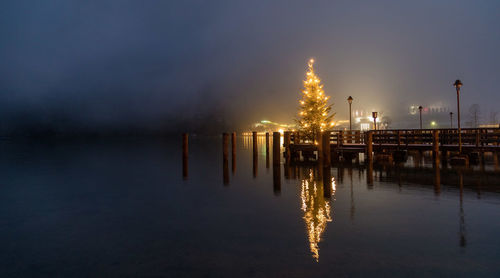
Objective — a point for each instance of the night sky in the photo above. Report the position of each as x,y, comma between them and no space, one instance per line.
163,64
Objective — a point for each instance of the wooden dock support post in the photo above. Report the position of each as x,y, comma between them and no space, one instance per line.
185,155
287,147
435,147
267,150
233,154
225,159
254,141
327,155
399,138
276,163
255,154
369,145
276,147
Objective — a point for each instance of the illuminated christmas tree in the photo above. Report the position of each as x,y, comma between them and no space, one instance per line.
314,108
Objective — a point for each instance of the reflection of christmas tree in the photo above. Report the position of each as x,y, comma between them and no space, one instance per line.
317,211
314,108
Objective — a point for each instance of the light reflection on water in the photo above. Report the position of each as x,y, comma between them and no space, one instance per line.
316,207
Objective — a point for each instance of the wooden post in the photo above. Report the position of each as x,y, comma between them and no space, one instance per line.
233,154
185,152
319,144
478,138
327,156
254,140
435,147
255,154
267,150
287,147
399,138
369,145
276,147
225,160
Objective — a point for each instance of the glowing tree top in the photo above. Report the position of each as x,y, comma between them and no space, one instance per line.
314,111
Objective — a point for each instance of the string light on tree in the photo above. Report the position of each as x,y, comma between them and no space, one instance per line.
314,110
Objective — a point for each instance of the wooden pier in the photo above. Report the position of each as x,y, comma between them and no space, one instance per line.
392,144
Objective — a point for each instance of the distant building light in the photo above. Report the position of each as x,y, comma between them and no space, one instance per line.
364,126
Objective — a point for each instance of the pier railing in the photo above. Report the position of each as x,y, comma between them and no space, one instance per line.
404,137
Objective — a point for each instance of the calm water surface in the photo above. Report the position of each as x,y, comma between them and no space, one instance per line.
121,208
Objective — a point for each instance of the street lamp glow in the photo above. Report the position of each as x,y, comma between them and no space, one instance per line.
458,84
349,99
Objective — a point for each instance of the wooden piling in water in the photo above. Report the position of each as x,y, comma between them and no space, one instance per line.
254,141
327,154
435,147
369,145
287,146
276,147
267,150
255,154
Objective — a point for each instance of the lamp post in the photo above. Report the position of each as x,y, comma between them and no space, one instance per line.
457,85
420,110
451,119
374,115
349,99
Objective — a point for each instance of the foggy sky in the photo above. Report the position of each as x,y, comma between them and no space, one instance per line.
158,64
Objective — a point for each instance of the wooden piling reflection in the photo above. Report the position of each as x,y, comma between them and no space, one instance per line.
327,182
369,174
462,230
437,179
276,179
185,155
225,159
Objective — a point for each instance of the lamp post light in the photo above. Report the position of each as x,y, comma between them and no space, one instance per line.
457,85
374,115
420,110
451,119
349,99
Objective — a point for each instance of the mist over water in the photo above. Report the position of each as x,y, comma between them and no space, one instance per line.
72,66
